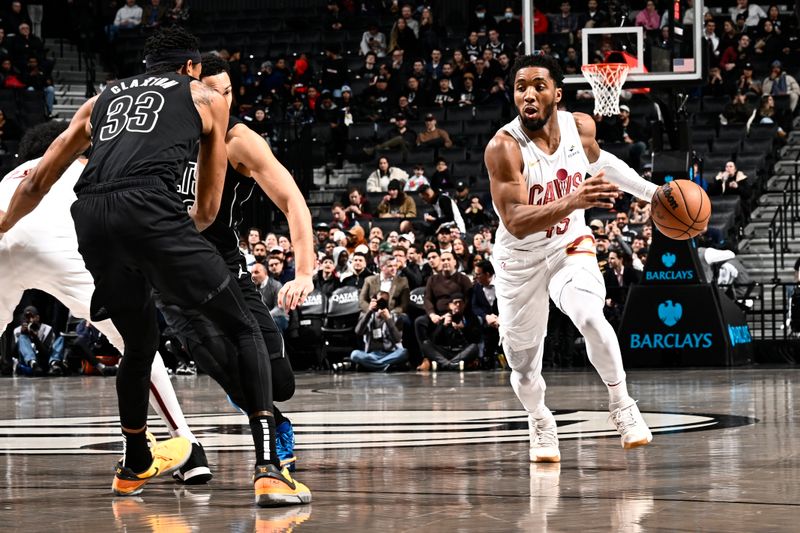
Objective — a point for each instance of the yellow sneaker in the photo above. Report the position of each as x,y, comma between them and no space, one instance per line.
275,488
168,456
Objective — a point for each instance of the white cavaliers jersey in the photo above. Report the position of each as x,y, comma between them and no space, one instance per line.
52,213
548,178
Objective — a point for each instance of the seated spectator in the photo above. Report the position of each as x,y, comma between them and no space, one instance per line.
178,13
618,277
648,17
732,182
765,114
442,179
335,19
37,342
26,45
396,203
388,281
454,339
358,208
325,280
15,16
358,271
279,271
462,255
403,37
369,70
355,238
779,82
445,210
484,305
565,21
417,179
381,331
36,80
154,14
445,95
260,253
433,137
379,180
373,41
342,261
752,12
738,111
438,291
771,43
746,83
268,287
322,232
339,218
128,17
399,137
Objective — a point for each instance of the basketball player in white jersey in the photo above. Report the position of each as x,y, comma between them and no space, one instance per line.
41,251
538,165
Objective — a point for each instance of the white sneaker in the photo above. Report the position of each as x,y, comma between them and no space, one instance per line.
544,441
631,426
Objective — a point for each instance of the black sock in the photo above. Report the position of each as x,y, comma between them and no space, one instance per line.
279,418
263,429
137,455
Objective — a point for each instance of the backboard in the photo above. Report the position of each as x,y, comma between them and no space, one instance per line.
667,57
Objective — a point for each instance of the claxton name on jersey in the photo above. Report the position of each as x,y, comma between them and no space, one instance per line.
164,83
554,189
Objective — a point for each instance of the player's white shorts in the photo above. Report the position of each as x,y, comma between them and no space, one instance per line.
524,280
47,258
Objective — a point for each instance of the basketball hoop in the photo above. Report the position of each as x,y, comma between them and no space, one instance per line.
606,80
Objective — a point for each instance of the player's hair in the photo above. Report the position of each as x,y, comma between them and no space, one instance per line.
38,138
165,40
486,266
540,60
213,65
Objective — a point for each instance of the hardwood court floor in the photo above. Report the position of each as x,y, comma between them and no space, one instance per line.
425,452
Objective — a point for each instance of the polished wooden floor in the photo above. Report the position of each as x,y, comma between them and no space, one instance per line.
425,452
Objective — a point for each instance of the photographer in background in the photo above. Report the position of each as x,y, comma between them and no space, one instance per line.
382,337
35,340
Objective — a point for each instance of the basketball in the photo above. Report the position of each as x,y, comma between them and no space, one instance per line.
681,209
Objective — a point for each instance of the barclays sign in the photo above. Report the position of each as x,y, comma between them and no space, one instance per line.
668,260
670,313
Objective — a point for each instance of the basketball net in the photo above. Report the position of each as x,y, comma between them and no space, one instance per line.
606,80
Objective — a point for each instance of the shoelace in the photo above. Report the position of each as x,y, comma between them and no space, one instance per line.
546,437
623,418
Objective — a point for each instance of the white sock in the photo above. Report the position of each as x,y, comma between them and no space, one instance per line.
165,402
617,395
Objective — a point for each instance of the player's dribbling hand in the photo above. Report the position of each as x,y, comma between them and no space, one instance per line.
596,192
294,292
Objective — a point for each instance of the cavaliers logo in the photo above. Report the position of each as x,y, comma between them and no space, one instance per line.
323,430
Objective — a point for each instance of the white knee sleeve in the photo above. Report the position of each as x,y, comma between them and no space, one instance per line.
602,345
526,378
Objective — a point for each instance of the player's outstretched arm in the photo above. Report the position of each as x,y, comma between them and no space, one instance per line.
510,191
616,170
60,155
212,161
250,155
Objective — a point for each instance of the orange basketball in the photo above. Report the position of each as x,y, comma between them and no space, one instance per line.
681,209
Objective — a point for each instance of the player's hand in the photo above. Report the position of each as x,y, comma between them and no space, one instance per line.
294,292
596,192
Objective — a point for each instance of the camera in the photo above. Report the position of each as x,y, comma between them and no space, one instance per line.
381,304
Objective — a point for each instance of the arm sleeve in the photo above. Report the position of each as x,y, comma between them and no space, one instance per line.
620,174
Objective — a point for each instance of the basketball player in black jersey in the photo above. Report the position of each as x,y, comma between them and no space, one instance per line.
250,161
135,235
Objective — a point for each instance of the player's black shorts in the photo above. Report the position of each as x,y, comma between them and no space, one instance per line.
136,232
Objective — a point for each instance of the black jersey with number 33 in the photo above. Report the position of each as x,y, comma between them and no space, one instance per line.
142,127
223,233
